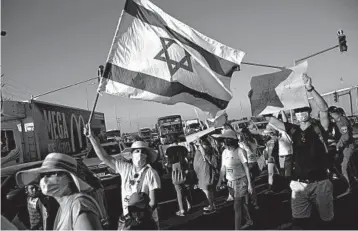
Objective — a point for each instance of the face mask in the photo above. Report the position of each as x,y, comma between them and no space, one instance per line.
54,186
302,116
139,159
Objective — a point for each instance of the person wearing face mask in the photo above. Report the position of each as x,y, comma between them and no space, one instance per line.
59,179
234,166
136,173
310,183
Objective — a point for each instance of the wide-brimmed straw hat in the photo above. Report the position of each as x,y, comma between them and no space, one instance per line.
227,134
152,155
54,162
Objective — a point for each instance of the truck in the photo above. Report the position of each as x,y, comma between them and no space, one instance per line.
192,126
145,134
32,129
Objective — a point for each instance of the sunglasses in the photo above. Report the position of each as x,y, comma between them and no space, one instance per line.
49,174
140,151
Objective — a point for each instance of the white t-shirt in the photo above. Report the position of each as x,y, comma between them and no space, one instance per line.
66,217
250,151
233,162
284,144
151,181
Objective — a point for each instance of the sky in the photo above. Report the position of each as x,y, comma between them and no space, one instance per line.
51,44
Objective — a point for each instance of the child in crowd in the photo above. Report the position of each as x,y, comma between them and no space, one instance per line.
140,213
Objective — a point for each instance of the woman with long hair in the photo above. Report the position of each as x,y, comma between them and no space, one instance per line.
205,166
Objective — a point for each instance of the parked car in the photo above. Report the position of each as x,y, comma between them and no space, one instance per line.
91,160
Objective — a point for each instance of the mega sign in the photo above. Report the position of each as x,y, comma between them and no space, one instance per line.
64,128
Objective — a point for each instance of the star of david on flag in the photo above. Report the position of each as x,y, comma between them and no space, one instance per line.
155,57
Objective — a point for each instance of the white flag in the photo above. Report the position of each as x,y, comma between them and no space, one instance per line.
278,91
155,57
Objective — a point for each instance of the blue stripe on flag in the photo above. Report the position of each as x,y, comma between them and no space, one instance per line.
156,85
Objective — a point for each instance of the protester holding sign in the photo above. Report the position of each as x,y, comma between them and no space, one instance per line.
310,183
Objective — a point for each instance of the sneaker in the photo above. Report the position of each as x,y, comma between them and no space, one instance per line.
180,214
229,198
211,211
209,208
247,224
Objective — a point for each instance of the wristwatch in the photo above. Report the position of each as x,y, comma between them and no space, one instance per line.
309,90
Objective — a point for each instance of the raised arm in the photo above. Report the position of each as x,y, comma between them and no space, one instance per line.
284,117
276,123
100,152
321,103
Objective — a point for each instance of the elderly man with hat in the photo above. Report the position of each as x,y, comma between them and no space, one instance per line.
59,178
235,167
345,143
136,175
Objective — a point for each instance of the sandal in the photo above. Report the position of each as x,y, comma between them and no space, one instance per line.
180,214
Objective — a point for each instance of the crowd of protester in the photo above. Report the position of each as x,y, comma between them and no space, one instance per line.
64,194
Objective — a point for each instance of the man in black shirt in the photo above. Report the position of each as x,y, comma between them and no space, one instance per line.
310,184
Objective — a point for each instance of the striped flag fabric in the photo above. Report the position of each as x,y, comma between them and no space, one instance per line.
274,92
155,57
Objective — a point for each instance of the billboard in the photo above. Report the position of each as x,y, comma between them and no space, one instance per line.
60,129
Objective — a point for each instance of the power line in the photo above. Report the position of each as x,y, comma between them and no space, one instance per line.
18,89
21,84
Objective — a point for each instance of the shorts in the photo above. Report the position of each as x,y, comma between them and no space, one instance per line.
238,188
319,194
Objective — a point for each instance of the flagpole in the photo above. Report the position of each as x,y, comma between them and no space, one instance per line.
71,85
100,75
263,65
317,53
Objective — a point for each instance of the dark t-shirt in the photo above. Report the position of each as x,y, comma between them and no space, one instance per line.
309,151
177,154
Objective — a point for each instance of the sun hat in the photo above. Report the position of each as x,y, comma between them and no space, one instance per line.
54,162
139,200
302,109
228,134
152,155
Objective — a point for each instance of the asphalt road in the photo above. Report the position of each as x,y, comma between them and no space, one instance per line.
274,212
